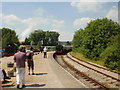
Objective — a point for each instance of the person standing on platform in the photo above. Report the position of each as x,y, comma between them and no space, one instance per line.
29,54
19,59
41,49
45,52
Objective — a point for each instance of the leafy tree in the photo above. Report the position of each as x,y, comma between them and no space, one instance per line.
44,37
39,44
53,38
8,37
99,37
77,40
37,36
95,37
112,59
98,33
27,41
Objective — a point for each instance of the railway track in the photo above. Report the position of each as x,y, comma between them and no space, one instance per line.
102,70
94,75
93,64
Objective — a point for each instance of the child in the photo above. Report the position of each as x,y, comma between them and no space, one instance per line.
1,77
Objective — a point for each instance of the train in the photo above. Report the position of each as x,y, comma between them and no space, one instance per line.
9,50
60,49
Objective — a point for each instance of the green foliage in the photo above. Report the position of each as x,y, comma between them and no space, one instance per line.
8,37
39,44
111,54
97,39
37,36
26,42
77,40
44,37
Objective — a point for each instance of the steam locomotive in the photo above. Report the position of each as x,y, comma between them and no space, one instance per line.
60,49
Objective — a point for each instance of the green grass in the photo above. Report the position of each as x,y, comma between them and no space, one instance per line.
82,57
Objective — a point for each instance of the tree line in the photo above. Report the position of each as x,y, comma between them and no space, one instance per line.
38,37
99,40
7,37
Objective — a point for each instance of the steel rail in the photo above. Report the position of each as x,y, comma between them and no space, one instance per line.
95,70
83,74
94,64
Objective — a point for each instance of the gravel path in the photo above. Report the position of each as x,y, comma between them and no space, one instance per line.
48,74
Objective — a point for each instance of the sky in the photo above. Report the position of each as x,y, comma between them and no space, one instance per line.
64,17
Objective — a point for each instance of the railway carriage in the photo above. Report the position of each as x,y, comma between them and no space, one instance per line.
10,50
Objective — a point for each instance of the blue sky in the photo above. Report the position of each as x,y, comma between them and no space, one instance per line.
63,17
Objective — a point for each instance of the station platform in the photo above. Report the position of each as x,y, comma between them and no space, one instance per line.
48,74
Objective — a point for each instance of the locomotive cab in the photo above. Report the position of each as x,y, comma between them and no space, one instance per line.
59,49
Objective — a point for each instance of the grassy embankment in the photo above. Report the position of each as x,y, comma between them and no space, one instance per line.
82,57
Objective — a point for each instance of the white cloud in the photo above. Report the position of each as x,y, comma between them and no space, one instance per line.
10,19
58,24
35,21
0,20
0,16
82,22
32,23
26,33
24,27
64,35
87,6
113,13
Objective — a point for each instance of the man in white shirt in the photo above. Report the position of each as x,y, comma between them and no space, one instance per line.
45,52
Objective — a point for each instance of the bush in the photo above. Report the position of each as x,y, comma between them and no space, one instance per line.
111,55
99,41
112,61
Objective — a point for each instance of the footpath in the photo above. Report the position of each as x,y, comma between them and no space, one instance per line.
48,74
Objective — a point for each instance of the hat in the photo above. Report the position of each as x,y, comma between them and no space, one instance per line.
20,48
28,51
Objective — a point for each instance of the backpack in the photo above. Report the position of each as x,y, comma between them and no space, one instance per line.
29,56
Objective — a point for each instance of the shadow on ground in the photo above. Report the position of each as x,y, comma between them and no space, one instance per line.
41,73
36,85
6,84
